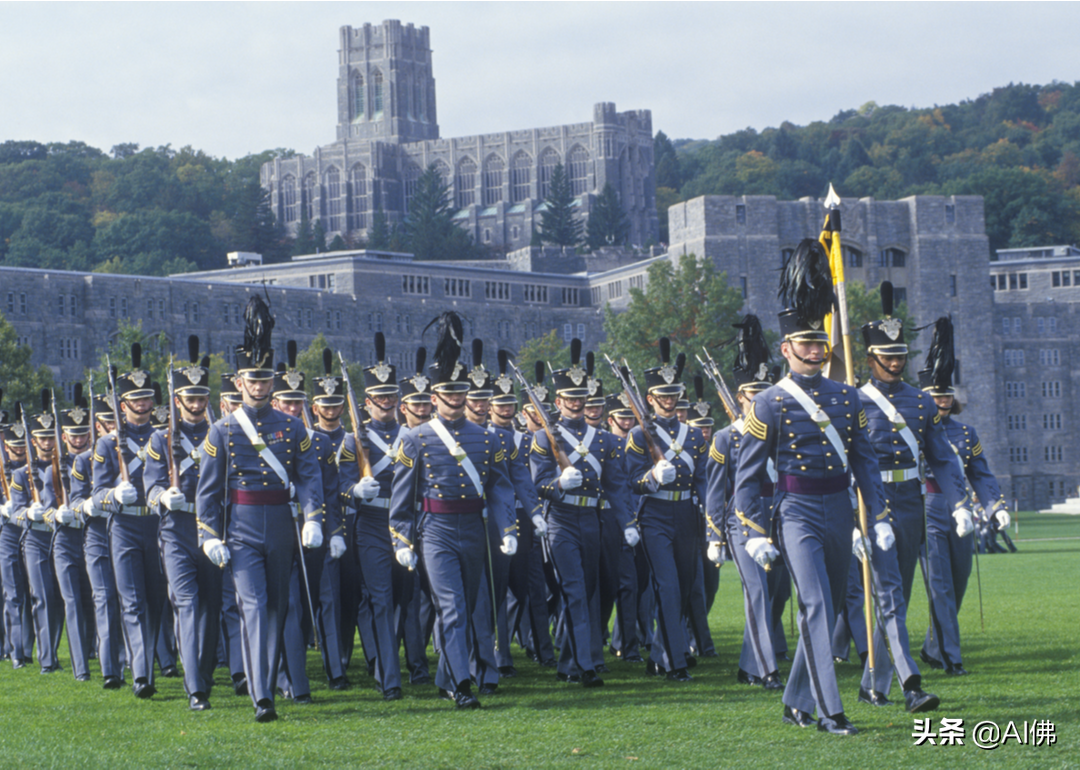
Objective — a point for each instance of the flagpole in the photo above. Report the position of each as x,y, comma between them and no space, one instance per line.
830,239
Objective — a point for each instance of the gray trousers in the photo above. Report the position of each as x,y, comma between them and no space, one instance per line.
757,657
111,648
947,568
375,555
670,534
70,566
140,582
20,625
574,534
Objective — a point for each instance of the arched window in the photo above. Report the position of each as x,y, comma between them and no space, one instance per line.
418,99
579,170
409,176
443,170
520,176
358,96
288,198
494,166
309,194
465,183
549,159
377,94
405,106
358,185
332,202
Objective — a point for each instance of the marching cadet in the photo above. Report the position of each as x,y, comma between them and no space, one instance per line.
670,520
5,650
230,613
370,497
816,430
259,458
290,397
69,560
35,508
19,624
947,561
573,476
111,649
757,661
171,477
635,606
903,427
118,491
699,416
699,637
454,469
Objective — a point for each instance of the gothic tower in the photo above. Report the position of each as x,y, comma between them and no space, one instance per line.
386,90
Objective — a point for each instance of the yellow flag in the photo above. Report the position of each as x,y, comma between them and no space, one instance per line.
835,368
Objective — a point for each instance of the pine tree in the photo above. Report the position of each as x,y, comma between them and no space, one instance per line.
379,232
608,225
558,223
20,381
318,237
429,231
305,240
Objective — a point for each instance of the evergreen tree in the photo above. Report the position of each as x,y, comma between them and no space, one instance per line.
429,231
549,348
19,380
305,237
558,223
338,244
379,232
608,225
318,236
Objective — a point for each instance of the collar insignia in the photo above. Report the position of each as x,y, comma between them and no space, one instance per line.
46,421
667,371
576,374
329,385
594,385
139,378
293,379
478,376
194,374
504,384
892,327
382,371
78,414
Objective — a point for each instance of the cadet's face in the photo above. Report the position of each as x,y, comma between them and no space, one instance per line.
451,405
328,414
504,411
381,407
137,410
621,426
16,451
571,408
255,392
44,446
664,406
887,368
944,404
707,433
681,414
416,412
804,358
532,423
105,426
478,408
76,444
192,408
594,415
226,407
292,407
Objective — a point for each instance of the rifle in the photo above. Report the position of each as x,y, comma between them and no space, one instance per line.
118,416
172,434
542,417
93,418
3,467
57,467
356,412
712,371
637,406
31,481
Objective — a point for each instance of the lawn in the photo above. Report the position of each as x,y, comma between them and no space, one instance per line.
1024,666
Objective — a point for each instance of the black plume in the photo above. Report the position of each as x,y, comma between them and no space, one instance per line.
327,361
665,350
806,283
112,373
774,375
699,387
590,363
575,351
753,347
2,396
290,352
157,392
258,324
18,411
941,360
80,401
205,363
136,356
504,361
46,400
280,367
193,348
539,371
451,331
78,394
887,298
477,352
680,364
421,359
380,347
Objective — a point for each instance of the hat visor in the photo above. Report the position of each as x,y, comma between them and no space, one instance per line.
899,349
704,422
77,430
256,374
140,393
572,393
450,387
289,395
675,389
382,390
329,400
193,390
480,395
934,390
754,387
807,335
505,398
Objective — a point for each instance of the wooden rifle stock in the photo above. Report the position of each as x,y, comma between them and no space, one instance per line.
171,437
637,406
363,461
118,417
58,479
541,415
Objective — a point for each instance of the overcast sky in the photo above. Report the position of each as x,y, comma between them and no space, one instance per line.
237,78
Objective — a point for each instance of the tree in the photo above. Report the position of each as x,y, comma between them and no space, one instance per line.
428,231
318,237
558,223
548,348
305,239
379,234
691,304
608,225
19,380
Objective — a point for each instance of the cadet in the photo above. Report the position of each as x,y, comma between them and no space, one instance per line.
826,427
19,625
118,491
670,520
454,469
230,614
258,456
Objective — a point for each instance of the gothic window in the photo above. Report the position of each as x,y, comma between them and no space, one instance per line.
579,170
549,159
417,100
377,94
358,185
288,198
358,96
444,171
465,184
410,176
520,176
493,179
332,203
309,195
405,103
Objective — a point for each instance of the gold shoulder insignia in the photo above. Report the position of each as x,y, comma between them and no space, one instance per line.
500,456
717,456
78,475
514,454
16,487
977,450
754,426
863,422
937,419
537,448
305,444
403,458
632,447
348,456
209,448
152,453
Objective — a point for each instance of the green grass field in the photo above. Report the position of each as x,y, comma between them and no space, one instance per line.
1023,667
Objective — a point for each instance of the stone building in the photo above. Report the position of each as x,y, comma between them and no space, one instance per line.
388,134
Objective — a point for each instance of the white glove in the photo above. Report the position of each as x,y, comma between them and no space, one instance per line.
173,499
860,546
509,545
1003,518
884,535
367,488
5,510
337,547
311,537
65,516
964,525
570,478
35,512
761,550
716,553
216,551
92,510
664,472
540,525
125,493
633,537
405,558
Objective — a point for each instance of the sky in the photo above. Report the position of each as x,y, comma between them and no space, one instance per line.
233,78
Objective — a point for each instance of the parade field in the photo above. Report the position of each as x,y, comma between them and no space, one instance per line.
1024,669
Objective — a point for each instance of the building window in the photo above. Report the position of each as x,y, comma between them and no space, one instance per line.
62,304
520,177
1015,390
288,198
549,159
371,322
337,320
498,290
899,295
357,96
1051,389
359,202
636,282
536,294
1053,454
408,325
415,284
594,294
581,332
567,332
22,302
410,177
1051,324
1014,358
743,287
1051,422
329,321
950,214
740,214
494,166
112,307
457,287
11,303
1018,454
1001,279
579,170
332,204
307,318
378,322
226,309
1017,422
570,296
892,258
515,232
855,257
465,183
194,312
236,314
123,307
1005,324
377,94
1016,325
1050,357
487,235
1040,325
952,285
614,290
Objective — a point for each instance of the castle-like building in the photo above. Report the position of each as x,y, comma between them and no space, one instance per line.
388,134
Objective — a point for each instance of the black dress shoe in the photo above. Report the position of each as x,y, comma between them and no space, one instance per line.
745,677
796,717
423,678
838,659
710,654
16,663
464,699
264,711
652,668
487,689
837,725
112,683
392,693
603,669
873,697
679,675
371,667
508,671
773,681
590,679
50,669
170,672
198,702
82,677
916,701
549,663
633,657
784,657
303,700
339,683
144,690
956,670
240,686
691,661
931,662
445,694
